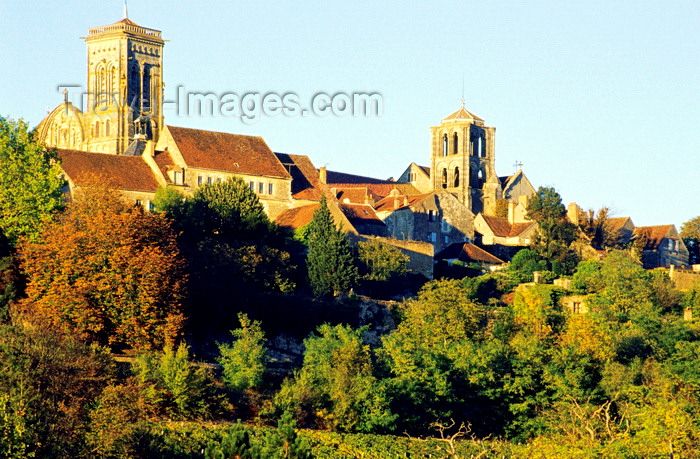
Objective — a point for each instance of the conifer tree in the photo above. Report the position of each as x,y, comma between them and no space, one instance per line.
329,261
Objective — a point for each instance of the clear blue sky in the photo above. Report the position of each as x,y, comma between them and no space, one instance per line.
598,99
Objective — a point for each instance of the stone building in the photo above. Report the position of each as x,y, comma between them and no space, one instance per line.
124,92
662,246
436,217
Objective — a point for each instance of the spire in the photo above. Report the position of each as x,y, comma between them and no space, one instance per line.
126,11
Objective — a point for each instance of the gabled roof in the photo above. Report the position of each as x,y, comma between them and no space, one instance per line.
654,234
398,202
165,163
501,227
466,251
297,217
129,173
361,214
333,177
617,223
222,151
305,181
381,190
425,169
355,195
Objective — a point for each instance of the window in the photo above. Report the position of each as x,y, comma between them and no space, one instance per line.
261,187
444,178
199,180
447,240
150,206
179,177
431,215
444,225
210,180
432,237
444,145
455,144
269,188
678,246
218,179
107,128
576,307
252,186
456,177
138,202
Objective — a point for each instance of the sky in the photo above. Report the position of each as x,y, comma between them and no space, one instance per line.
597,99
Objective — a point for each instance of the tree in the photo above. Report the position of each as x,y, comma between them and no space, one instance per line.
329,261
597,227
107,272
167,199
243,361
335,387
381,261
690,232
30,183
554,232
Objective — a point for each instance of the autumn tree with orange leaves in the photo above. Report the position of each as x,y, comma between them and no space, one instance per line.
107,272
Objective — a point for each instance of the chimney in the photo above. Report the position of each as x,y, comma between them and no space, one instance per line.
524,200
322,174
511,212
150,148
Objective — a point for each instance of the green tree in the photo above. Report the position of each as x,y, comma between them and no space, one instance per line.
524,264
173,384
167,199
554,232
597,227
690,232
30,183
243,362
335,387
329,261
381,261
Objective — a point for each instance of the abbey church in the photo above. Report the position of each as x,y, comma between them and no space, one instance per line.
122,137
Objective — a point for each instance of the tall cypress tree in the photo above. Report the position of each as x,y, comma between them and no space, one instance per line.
329,261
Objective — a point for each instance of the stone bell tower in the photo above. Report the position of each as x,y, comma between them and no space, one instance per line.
125,83
462,160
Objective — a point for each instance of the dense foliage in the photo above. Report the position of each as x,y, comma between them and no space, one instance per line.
30,181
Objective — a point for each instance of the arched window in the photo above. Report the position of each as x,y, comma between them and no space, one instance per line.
455,143
444,178
107,128
480,177
97,128
483,145
444,145
456,176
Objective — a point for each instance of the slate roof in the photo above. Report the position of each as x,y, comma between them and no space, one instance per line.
654,234
466,251
503,228
333,177
121,172
222,151
305,181
425,169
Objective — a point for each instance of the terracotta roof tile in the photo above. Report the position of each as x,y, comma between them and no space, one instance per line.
297,217
360,213
654,235
381,190
468,252
305,181
122,172
355,195
165,163
222,151
501,227
398,202
617,223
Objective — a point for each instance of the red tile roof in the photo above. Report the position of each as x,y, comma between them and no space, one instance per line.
222,151
297,217
501,227
355,195
654,235
165,163
617,223
305,181
468,252
381,190
129,173
398,202
360,213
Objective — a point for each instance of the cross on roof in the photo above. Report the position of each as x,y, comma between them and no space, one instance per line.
518,165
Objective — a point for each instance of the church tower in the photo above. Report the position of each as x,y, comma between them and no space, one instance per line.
125,84
124,93
462,160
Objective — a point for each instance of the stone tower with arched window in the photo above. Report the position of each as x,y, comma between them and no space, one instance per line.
124,84
462,160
